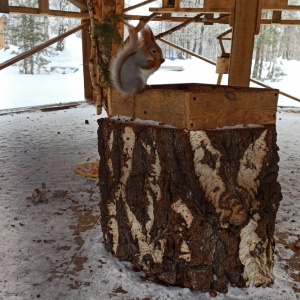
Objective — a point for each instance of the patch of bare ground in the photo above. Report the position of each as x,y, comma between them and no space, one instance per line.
292,265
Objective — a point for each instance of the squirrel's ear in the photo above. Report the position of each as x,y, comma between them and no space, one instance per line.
148,35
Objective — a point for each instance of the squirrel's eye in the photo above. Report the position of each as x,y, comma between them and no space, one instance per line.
153,51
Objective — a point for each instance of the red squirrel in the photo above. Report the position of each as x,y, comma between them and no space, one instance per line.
135,62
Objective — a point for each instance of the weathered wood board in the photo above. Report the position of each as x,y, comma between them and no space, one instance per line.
190,208
198,106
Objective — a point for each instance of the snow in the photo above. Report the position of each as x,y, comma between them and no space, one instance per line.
65,83
55,250
31,90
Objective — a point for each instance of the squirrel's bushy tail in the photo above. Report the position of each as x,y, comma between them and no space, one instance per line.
130,47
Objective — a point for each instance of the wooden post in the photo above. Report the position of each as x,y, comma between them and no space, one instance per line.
4,6
44,7
101,11
244,28
86,52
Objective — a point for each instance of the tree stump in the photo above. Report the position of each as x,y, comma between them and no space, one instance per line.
190,208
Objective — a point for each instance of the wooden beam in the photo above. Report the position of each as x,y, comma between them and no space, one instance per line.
280,92
164,10
282,22
187,51
244,28
83,7
52,13
278,5
283,7
137,5
178,27
4,6
218,20
41,46
44,7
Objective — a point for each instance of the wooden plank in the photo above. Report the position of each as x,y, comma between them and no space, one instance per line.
198,106
52,13
40,47
163,106
244,28
4,6
230,108
82,6
44,7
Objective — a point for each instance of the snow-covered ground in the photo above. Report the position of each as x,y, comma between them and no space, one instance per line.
55,250
32,90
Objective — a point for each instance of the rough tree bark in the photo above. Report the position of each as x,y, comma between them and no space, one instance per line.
190,208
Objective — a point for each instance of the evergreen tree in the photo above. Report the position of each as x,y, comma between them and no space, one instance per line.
60,24
26,32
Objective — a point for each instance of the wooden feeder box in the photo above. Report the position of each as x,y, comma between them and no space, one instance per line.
192,204
198,106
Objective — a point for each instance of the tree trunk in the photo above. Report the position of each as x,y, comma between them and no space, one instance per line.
190,208
261,63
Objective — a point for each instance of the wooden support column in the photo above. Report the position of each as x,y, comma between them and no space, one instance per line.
44,7
244,28
4,7
86,52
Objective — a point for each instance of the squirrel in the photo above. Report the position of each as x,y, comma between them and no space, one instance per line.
136,61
